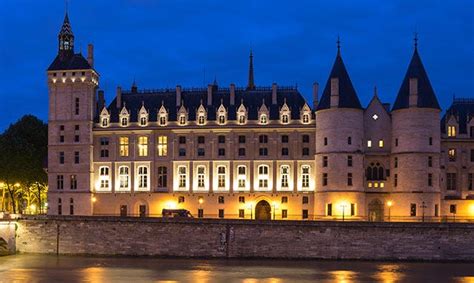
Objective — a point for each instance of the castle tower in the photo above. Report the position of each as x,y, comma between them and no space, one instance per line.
416,145
339,157
72,85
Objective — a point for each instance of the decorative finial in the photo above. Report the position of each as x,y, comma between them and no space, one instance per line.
338,42
415,39
375,91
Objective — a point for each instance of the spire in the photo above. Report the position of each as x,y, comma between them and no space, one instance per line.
347,96
426,98
134,87
251,83
66,37
338,42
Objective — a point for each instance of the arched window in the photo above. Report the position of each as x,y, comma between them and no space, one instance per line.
124,178
263,176
142,178
375,172
104,178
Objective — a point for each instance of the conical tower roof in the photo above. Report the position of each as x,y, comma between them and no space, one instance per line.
347,94
426,95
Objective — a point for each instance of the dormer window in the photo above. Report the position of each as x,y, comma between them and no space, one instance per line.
124,117
201,115
242,114
451,131
305,114
263,114
124,122
241,119
143,121
263,119
162,116
182,120
143,116
221,115
182,116
104,118
285,113
284,119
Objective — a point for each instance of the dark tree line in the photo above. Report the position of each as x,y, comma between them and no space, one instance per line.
23,180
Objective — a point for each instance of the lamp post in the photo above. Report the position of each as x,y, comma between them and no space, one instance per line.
250,206
423,206
389,204
274,209
343,210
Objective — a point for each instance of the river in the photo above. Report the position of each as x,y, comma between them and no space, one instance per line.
48,268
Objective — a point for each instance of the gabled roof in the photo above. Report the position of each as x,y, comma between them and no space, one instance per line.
72,62
463,110
191,99
347,94
426,95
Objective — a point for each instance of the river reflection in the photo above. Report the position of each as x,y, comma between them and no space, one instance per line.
41,268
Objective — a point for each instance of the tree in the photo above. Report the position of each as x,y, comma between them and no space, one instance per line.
23,149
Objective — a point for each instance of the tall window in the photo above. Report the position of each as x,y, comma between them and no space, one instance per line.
73,182
325,161
104,178
369,143
263,119
305,176
123,141
221,177
182,119
375,172
124,121
325,179
285,118
142,177
162,120
451,181
221,119
452,154
162,177
201,119
143,121
305,118
124,178
241,119
263,176
201,173
349,179
451,131
143,146
76,108
284,176
241,176
182,177
380,143
60,182
162,146
349,161
104,147
470,181
61,157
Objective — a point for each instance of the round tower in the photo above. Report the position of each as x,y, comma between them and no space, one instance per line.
416,146
339,154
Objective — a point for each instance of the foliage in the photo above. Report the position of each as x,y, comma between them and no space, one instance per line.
23,151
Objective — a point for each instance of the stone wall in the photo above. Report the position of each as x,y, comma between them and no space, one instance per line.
7,238
236,238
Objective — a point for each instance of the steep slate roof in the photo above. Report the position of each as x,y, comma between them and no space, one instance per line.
71,62
252,100
463,110
347,94
426,95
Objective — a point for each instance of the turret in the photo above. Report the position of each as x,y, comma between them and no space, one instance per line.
339,158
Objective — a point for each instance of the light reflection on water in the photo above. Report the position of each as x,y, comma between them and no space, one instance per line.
41,268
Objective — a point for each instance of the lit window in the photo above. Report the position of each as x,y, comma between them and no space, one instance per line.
369,143
241,119
221,119
221,177
263,176
380,143
284,175
163,120
285,119
182,177
182,119
123,146
451,131
305,176
104,178
124,121
201,171
305,118
201,119
124,178
142,178
143,146
105,122
162,146
241,176
263,119
143,121
452,154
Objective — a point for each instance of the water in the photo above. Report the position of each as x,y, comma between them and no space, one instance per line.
42,268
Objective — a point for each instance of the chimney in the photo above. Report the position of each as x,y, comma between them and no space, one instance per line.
90,55
334,92
413,91
315,95
101,102
178,96
232,94
274,93
119,97
209,94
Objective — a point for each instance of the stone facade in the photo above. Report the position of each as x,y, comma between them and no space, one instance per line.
254,152
246,239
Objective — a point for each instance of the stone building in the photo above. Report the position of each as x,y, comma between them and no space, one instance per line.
254,152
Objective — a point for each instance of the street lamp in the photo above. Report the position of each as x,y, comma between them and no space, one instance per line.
389,204
343,206
275,206
250,206
423,206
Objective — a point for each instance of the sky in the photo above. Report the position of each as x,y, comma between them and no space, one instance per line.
164,43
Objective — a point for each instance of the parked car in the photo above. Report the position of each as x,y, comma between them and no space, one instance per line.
172,213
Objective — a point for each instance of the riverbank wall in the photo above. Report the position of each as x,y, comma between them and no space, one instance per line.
246,239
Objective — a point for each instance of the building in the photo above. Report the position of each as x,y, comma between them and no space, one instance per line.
255,152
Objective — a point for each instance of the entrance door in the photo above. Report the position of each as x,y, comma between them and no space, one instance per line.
263,211
142,210
123,210
376,210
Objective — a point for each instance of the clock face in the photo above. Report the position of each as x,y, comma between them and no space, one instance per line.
375,117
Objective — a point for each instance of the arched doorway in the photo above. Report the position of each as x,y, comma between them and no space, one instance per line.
376,210
263,210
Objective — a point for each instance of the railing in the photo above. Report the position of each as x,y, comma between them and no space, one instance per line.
204,89
463,100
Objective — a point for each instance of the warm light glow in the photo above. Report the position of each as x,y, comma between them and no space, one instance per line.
93,199
171,204
17,185
46,204
33,207
389,203
343,207
275,205
250,205
2,184
471,209
201,200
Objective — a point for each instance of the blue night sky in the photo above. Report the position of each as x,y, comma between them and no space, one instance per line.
165,43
